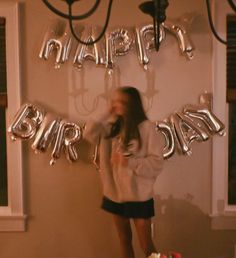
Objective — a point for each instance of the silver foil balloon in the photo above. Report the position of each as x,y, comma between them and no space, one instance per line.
68,136
73,135
149,38
195,132
194,123
57,38
122,41
118,43
188,129
26,122
93,53
178,28
201,114
46,133
180,131
166,129
144,38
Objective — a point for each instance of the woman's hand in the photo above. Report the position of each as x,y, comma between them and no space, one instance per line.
118,158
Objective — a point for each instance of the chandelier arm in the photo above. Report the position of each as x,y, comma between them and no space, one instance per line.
77,17
156,24
89,43
232,4
156,34
212,25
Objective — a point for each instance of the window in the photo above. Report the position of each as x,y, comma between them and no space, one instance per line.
231,58
12,217
223,209
3,105
232,154
231,98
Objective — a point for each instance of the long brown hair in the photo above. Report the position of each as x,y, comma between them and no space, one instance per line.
135,114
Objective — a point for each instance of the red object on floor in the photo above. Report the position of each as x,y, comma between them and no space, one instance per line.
175,255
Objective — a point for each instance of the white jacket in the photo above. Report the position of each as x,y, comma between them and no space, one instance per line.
134,182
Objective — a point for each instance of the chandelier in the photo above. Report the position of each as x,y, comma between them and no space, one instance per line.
155,8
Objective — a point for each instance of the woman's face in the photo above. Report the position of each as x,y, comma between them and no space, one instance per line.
119,103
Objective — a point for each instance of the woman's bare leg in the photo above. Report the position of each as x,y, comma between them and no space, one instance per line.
125,235
144,232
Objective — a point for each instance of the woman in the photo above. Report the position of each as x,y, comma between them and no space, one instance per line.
130,160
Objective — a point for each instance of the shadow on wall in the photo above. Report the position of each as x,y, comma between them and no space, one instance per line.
182,226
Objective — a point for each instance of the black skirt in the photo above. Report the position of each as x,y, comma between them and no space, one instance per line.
140,209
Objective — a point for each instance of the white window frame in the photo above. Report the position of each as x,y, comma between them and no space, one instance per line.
223,215
12,217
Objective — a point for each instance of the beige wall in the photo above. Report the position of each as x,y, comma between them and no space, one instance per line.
62,201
